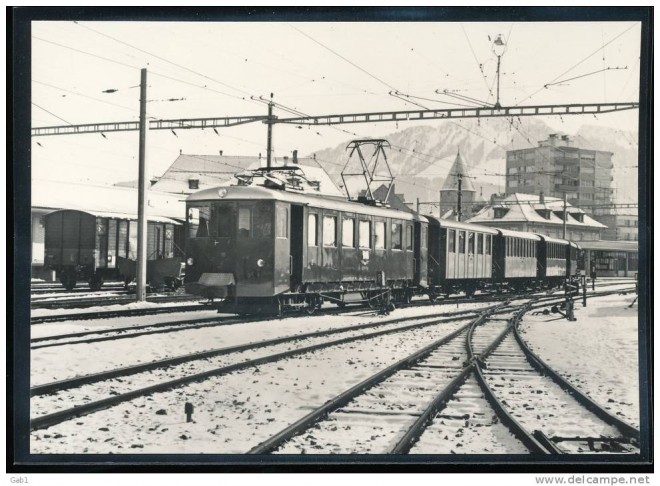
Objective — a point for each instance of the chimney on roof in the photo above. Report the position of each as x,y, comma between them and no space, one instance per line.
221,153
295,157
180,151
314,156
259,155
541,198
286,160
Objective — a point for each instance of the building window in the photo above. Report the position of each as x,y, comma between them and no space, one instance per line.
397,236
364,234
329,231
312,230
347,232
193,183
379,244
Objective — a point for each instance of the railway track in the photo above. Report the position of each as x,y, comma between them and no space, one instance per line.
546,407
77,390
102,301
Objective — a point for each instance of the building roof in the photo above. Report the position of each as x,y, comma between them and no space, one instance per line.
53,195
217,170
458,168
523,208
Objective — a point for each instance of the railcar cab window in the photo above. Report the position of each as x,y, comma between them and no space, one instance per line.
348,232
480,244
451,241
312,230
329,231
222,220
397,236
379,244
461,241
282,222
364,234
244,222
470,243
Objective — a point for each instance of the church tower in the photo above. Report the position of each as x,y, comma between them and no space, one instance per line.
457,178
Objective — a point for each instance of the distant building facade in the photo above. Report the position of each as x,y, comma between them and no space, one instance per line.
538,214
557,167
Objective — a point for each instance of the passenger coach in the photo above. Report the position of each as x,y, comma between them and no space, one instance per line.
263,249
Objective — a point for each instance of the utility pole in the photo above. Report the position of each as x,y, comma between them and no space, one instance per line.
417,205
460,196
565,194
269,146
141,274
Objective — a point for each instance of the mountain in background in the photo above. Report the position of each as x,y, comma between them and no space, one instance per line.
420,157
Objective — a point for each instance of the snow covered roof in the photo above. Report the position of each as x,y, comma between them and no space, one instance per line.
104,199
618,245
458,168
219,170
523,208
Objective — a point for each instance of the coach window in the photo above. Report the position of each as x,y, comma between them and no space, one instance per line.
379,244
244,222
312,230
488,242
397,234
461,241
470,243
409,237
451,241
480,244
364,234
282,215
348,232
424,237
329,231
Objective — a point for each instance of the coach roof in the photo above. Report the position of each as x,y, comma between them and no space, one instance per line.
260,193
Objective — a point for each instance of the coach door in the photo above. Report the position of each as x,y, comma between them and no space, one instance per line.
296,238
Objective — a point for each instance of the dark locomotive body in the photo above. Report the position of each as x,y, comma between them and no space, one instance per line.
94,247
263,249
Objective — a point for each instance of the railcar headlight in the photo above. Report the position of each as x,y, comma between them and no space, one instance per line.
190,261
222,192
260,263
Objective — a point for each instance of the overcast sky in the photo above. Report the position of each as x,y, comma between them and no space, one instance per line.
213,69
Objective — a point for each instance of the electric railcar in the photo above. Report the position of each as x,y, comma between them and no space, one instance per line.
265,250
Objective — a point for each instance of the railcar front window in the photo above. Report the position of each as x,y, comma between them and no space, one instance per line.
222,219
244,222
461,241
470,243
488,239
409,237
282,222
480,244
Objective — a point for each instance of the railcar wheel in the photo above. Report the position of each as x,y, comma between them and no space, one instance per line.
95,283
68,279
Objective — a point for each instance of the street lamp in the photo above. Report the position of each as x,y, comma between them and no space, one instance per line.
498,49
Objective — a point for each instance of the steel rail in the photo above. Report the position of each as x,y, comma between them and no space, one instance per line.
129,370
81,316
86,302
539,365
415,431
275,441
45,421
534,445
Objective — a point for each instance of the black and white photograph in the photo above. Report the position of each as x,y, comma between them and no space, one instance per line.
341,236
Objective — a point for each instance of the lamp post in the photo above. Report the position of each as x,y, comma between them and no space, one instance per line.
498,49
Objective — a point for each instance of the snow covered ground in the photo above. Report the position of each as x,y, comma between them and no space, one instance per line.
597,353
